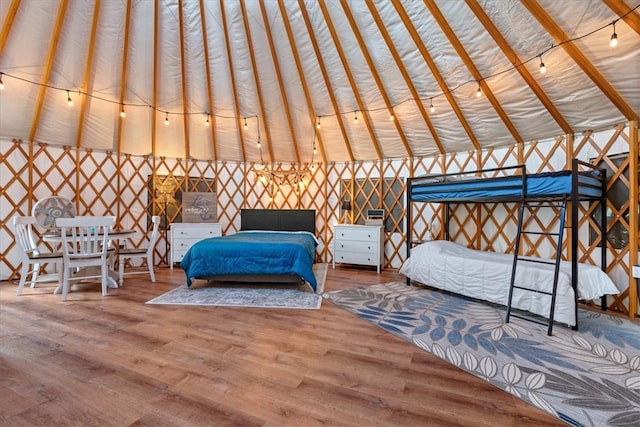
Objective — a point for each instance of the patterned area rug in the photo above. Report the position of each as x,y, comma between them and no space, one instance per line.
271,295
589,377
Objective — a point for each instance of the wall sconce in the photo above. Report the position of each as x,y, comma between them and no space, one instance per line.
346,209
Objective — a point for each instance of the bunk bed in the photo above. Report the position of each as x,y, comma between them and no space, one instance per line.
563,190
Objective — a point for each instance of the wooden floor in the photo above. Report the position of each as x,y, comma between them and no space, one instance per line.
114,361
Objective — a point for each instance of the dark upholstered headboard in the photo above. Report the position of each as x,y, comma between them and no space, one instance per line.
278,219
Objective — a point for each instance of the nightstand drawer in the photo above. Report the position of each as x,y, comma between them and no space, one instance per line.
356,257
356,246
353,233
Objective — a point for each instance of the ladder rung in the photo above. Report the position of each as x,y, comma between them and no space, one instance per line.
530,319
532,290
539,261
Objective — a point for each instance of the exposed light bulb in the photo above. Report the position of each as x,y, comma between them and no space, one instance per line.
245,124
479,91
391,116
355,118
1,82
543,69
206,123
315,150
258,144
431,107
69,101
318,124
166,119
614,37
122,111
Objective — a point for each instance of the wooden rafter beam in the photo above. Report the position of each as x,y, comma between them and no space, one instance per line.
283,94
62,10
405,74
468,62
154,97
325,76
205,46
376,76
303,80
232,76
8,23
345,64
123,73
87,72
436,75
512,56
579,58
620,8
183,79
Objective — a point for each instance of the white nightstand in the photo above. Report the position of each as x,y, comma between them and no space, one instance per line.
358,244
183,235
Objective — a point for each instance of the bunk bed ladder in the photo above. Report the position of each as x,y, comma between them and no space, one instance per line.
525,206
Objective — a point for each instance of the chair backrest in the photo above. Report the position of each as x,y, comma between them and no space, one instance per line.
23,231
85,237
155,233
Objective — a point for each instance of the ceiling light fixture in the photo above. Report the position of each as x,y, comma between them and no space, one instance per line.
431,107
614,37
69,101
543,69
166,118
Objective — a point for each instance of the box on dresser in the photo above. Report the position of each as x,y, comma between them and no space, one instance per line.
358,244
184,235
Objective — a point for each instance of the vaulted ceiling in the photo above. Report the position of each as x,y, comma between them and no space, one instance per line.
281,67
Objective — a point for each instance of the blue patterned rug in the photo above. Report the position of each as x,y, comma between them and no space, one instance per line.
261,295
589,377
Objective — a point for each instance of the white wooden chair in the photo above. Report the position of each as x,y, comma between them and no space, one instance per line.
85,244
32,257
143,252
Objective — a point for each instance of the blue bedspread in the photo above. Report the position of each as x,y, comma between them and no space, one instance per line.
253,252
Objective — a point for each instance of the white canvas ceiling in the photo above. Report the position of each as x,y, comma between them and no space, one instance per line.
282,65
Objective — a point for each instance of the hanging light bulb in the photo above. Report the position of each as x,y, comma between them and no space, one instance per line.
245,124
206,123
391,116
479,91
431,107
69,101
258,144
543,69
122,110
614,37
355,117
166,119
1,82
318,123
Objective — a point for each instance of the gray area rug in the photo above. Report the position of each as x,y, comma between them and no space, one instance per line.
589,377
271,295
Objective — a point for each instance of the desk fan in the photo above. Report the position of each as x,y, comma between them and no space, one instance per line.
47,210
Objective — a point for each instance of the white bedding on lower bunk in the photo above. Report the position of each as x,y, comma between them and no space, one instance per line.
486,275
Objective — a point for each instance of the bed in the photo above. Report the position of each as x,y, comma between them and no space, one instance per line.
486,275
272,246
583,183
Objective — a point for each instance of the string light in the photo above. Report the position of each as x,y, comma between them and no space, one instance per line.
355,117
613,42
431,107
543,69
391,116
206,123
245,124
166,119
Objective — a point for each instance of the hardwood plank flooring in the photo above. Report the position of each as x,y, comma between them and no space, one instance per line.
114,361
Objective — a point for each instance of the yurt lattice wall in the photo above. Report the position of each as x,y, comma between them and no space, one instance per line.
104,183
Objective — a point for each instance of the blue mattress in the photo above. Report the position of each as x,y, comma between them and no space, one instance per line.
252,253
548,184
